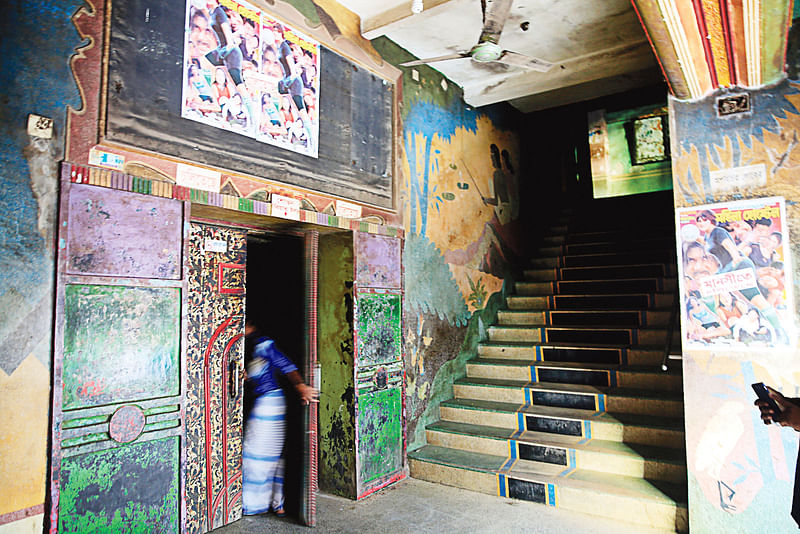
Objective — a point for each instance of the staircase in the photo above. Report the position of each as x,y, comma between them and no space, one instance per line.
566,403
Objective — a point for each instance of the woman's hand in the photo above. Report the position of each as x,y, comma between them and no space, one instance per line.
307,393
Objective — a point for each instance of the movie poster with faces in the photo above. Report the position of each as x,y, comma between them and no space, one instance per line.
735,275
249,73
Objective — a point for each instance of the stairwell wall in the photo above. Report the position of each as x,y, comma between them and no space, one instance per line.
741,472
460,202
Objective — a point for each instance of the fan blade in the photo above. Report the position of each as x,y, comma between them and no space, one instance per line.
521,60
494,19
434,59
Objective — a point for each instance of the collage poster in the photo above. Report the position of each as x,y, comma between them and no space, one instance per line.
734,260
248,73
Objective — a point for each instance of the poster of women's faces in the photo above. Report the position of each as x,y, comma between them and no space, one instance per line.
248,73
735,275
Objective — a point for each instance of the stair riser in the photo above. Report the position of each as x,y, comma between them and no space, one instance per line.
644,406
548,261
631,319
569,427
655,381
632,356
598,429
600,287
567,457
595,302
597,273
664,515
566,335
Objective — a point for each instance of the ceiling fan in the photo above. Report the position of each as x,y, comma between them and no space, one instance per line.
487,50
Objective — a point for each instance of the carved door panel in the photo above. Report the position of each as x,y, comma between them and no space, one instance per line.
380,440
118,376
216,288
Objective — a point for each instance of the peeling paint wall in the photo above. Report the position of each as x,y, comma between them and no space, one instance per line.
337,468
460,202
38,40
741,472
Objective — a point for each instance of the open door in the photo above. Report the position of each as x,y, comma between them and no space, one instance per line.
215,346
119,373
281,300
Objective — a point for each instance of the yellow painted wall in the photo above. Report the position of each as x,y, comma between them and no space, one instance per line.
24,404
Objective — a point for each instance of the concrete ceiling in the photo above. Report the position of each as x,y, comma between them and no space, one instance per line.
598,47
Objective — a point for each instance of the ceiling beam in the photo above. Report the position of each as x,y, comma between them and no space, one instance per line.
383,22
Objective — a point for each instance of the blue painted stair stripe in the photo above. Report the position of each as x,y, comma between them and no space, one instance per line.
634,337
548,318
623,356
600,402
543,335
552,495
502,485
538,353
643,317
521,426
613,378
528,400
587,432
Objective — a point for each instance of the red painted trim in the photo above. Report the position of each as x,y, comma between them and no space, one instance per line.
207,397
653,46
726,32
225,378
228,290
398,476
703,29
18,515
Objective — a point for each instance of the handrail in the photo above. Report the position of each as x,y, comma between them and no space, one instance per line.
671,328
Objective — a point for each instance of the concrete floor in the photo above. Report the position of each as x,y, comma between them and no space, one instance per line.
415,506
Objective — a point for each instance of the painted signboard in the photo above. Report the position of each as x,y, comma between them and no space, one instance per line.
733,265
247,72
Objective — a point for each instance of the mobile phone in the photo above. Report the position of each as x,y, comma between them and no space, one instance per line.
763,395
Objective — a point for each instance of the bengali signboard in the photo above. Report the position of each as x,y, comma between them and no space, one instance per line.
734,260
246,72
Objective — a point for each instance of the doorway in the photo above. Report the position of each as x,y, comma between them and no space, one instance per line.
275,301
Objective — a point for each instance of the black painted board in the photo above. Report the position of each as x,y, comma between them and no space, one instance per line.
566,427
144,108
527,491
541,453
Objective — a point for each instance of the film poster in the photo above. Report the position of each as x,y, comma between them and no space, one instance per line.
735,275
248,73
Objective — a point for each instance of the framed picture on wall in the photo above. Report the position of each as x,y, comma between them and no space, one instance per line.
648,140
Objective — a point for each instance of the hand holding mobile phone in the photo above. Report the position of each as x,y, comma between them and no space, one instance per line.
763,395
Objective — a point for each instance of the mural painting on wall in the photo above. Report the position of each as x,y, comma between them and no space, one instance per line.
249,73
461,203
734,288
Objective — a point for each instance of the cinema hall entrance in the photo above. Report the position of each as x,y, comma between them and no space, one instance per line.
238,273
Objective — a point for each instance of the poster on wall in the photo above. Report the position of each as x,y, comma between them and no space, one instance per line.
246,72
733,265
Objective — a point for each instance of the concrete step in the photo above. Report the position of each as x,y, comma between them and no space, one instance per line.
634,301
542,261
625,318
595,374
565,234
579,334
650,270
569,452
596,287
586,424
574,352
586,397
656,504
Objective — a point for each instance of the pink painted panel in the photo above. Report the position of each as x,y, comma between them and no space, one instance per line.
116,233
378,261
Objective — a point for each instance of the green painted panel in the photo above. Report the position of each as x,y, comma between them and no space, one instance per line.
378,328
380,434
134,489
120,344
337,458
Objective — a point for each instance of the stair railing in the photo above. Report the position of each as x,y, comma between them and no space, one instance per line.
671,328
